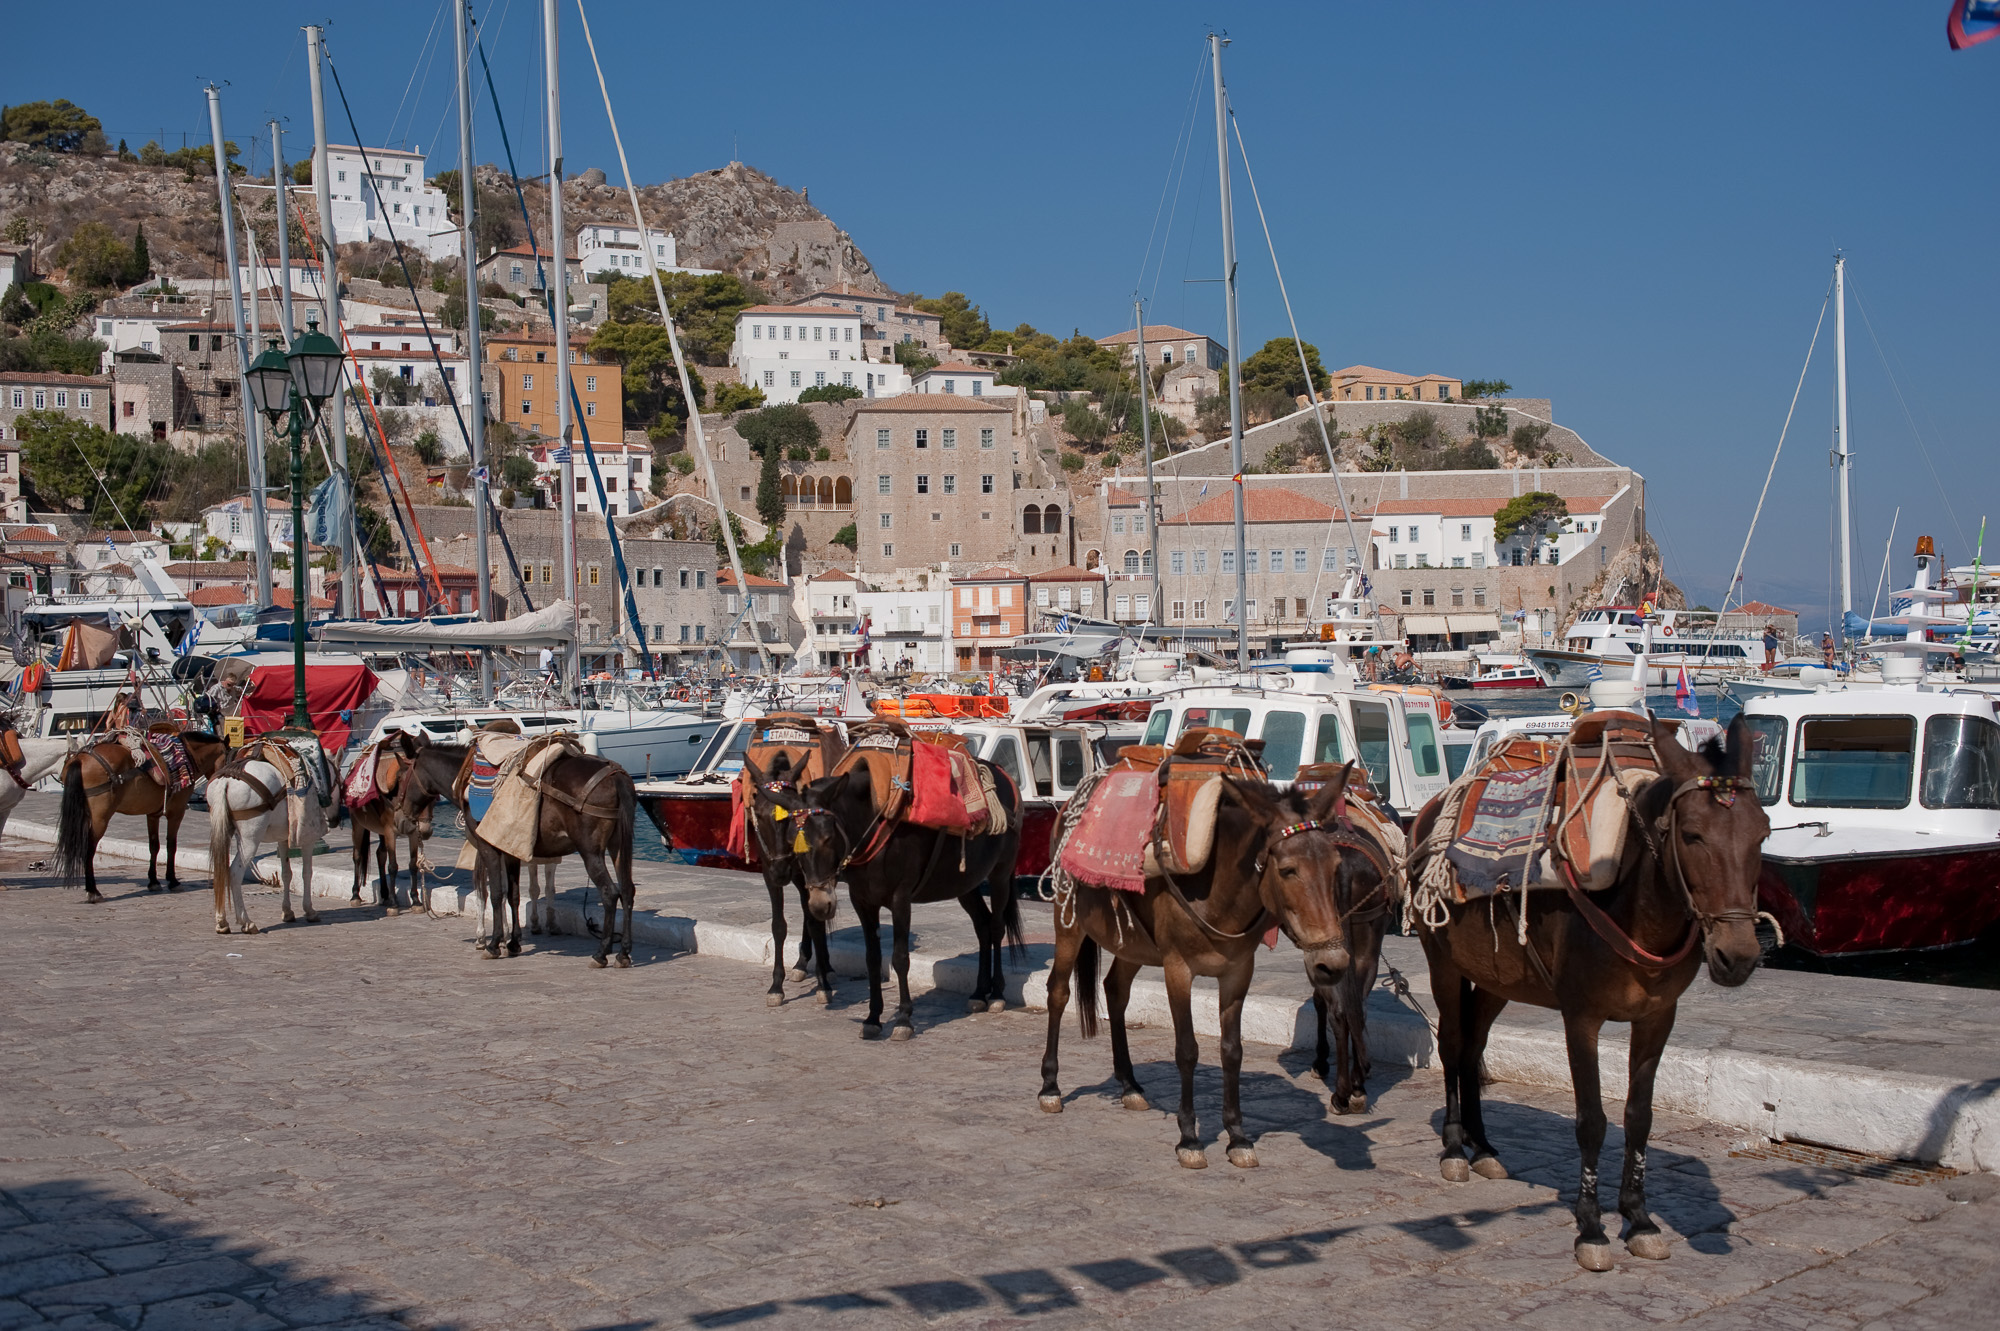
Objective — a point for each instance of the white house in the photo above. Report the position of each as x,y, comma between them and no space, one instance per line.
829,604
265,279
968,380
377,189
626,469
904,625
133,332
1458,533
608,247
231,522
785,349
417,366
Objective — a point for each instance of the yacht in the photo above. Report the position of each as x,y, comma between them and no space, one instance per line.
1607,638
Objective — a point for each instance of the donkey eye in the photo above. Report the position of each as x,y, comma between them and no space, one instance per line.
1692,838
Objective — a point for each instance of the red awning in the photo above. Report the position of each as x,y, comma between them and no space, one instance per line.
330,691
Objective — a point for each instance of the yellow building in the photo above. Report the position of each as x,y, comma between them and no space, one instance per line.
1365,383
525,387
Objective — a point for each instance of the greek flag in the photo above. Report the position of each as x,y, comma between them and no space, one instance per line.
562,454
193,637
1595,674
1062,625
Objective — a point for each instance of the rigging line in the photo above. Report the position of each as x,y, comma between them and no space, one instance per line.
1735,585
1880,355
680,365
1888,549
1180,134
1298,345
416,67
423,323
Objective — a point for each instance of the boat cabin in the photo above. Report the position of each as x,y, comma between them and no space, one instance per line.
1877,758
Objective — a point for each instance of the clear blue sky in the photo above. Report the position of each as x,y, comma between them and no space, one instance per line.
1628,209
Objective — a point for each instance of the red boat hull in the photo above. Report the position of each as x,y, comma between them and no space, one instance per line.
1883,903
1524,682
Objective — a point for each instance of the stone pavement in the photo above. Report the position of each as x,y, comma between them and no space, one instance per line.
361,1124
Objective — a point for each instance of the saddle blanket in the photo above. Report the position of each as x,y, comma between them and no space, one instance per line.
361,778
172,766
1108,847
513,818
945,790
1492,855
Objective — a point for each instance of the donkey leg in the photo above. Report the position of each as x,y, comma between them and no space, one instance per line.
1593,1249
871,943
285,864
1117,994
1642,1237
1479,1015
1068,939
1321,1060
308,837
360,847
904,1025
814,943
1187,1051
984,929
1451,991
174,817
775,995
249,835
1232,987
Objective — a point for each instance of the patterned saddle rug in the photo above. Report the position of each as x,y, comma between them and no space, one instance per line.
170,763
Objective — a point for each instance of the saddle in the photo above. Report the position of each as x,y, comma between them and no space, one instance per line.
161,753
366,782
1190,779
1153,811
298,774
510,770
809,746
1359,805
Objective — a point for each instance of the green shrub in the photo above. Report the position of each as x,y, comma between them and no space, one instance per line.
681,462
846,536
830,393
822,454
1072,462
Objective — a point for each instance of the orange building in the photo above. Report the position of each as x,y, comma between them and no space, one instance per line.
524,386
989,609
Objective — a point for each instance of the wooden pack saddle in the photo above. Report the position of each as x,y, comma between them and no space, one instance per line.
908,786
1190,776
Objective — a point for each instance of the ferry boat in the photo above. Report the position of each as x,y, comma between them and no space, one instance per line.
1496,671
1607,638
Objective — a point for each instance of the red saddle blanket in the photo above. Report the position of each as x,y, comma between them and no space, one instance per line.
1108,847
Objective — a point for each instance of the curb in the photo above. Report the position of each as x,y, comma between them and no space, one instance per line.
1903,1116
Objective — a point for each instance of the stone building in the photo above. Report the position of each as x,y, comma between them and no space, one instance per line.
934,481
1170,346
83,397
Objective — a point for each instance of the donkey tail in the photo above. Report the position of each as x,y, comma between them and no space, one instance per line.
220,828
1010,921
1083,984
73,839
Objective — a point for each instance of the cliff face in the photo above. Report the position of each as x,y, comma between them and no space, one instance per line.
55,193
736,219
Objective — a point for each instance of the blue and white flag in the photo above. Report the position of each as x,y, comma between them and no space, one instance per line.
1062,625
112,546
481,475
326,513
562,454
193,637
1594,673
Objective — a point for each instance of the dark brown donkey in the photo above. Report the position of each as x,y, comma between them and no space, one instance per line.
1686,889
1278,859
772,790
105,779
386,818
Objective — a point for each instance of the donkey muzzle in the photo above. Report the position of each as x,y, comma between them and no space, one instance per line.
1326,963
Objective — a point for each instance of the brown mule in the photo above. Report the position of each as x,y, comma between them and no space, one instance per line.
1279,860
105,779
1686,886
387,818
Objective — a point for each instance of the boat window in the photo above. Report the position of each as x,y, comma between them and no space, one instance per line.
1039,763
1327,747
1961,763
1372,737
1284,737
1854,762
1006,756
1069,762
1157,724
1423,744
1454,759
1109,747
728,742
1222,718
1767,752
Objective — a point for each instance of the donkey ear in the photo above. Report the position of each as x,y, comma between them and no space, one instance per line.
1326,802
754,772
1254,797
1739,749
1675,759
406,742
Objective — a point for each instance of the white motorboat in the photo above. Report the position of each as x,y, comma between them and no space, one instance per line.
1606,639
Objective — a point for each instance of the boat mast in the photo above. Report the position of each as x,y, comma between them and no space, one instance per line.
253,435
1842,458
1216,41
1146,442
559,312
288,327
334,414
469,250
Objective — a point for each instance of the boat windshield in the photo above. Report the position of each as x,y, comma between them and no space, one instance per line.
1156,725
1284,737
1224,718
1854,762
1767,749
730,742
1961,763
1423,744
1372,737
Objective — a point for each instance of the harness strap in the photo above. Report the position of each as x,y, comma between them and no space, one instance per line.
1621,942
582,797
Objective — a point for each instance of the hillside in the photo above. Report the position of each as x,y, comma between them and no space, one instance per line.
736,218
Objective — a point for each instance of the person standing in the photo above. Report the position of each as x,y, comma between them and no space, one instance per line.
1770,648
1826,649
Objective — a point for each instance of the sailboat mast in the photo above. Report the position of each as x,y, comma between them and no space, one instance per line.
559,312
1216,41
1842,458
289,327
469,250
1146,442
335,411
253,435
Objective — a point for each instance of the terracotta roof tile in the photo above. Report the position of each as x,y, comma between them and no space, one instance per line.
928,402
999,573
1154,333
1260,504
1068,573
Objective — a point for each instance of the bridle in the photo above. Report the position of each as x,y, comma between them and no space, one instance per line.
1340,835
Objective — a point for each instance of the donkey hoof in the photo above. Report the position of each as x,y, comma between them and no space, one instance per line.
996,1005
291,918
93,897
1593,1256
975,1005
535,929
354,900
901,1031
249,928
624,961
1051,1104
1134,1100
392,910
774,1000
221,928
173,886
1353,1104
1190,1157
796,974
1489,1166
313,918
493,954
1243,1157
598,962
152,887
1650,1245
1454,1169
870,1029
514,949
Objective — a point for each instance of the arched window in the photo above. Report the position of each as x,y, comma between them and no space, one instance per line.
843,493
790,486
1031,520
1131,561
1052,519
1190,353
826,491
1166,355
1146,562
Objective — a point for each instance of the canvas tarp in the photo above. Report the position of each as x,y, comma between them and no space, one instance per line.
331,692
86,648
551,626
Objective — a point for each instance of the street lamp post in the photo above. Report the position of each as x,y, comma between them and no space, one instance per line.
292,384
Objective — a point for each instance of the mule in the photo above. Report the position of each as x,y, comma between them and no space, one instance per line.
836,818
1685,893
782,868
103,779
36,759
387,819
1279,860
254,799
587,809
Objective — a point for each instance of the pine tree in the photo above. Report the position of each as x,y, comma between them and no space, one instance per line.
141,266
770,497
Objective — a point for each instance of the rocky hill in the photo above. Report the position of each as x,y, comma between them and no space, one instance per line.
736,219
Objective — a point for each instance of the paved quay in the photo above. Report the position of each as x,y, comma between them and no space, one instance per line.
360,1124
1907,1071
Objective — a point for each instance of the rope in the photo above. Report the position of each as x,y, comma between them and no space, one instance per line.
1734,584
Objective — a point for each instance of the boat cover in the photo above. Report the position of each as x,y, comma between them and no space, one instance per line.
551,626
332,694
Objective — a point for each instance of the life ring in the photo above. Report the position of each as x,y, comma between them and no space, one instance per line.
1666,630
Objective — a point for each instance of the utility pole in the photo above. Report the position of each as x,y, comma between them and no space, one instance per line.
1216,41
289,329
253,435
335,412
469,248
